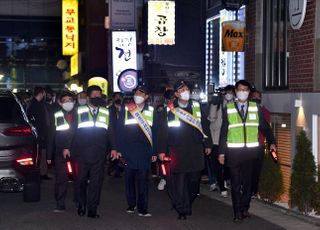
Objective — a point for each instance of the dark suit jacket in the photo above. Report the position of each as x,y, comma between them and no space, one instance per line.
264,127
185,143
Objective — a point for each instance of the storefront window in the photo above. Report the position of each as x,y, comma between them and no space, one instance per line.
275,44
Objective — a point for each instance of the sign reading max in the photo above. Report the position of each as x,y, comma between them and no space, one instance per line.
297,13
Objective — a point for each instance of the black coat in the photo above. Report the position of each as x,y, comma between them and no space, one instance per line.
263,126
93,144
133,143
185,143
39,115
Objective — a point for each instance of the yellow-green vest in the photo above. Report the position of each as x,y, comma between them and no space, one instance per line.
146,113
60,121
243,133
196,112
86,120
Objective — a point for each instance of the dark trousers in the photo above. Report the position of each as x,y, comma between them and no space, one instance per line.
240,162
257,166
61,183
142,178
89,183
218,168
183,188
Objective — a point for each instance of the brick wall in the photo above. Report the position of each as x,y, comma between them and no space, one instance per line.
250,41
301,46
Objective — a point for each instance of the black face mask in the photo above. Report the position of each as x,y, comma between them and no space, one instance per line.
258,101
118,101
98,101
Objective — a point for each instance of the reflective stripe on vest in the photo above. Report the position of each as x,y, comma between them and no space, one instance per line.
147,114
241,134
85,118
60,121
196,112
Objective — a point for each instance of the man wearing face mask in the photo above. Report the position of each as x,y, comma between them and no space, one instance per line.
65,123
215,118
240,146
184,132
82,98
39,115
135,142
92,140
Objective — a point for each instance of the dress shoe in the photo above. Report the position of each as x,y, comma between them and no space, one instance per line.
45,177
93,214
237,218
245,214
182,217
81,210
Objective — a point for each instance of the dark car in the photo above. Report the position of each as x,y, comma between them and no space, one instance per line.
19,169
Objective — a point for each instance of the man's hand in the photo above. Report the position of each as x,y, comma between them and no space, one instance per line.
208,151
154,158
66,153
273,147
221,159
161,156
49,162
115,155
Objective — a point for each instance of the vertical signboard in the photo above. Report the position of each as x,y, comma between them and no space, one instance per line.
124,54
228,65
122,14
161,23
70,32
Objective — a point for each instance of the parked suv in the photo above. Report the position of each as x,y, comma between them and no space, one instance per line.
19,169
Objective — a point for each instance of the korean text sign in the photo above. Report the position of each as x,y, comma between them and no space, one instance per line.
124,54
161,22
70,31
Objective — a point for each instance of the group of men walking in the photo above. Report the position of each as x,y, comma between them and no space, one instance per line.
137,134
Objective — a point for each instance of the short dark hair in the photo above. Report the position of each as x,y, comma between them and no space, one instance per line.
117,93
229,88
66,94
37,90
92,88
243,82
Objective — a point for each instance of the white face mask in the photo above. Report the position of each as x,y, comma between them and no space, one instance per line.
82,101
228,96
195,96
242,95
138,99
185,95
68,106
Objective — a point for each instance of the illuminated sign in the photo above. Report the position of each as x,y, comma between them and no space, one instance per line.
74,64
161,23
128,80
101,82
70,31
233,36
124,54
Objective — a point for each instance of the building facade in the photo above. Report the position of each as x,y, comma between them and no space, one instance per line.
283,63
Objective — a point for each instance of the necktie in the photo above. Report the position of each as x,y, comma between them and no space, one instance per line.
242,111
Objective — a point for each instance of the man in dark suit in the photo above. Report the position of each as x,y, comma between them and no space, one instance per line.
135,142
184,131
93,139
239,145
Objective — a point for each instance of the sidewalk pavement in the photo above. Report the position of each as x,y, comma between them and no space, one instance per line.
278,215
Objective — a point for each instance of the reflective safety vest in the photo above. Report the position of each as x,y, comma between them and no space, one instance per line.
147,114
60,121
196,112
86,119
243,133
